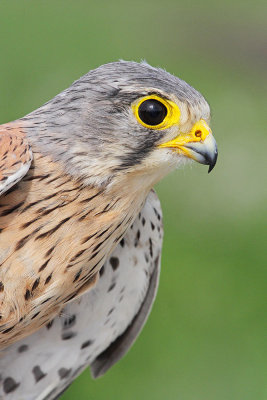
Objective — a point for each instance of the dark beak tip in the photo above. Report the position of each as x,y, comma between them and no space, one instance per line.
211,168
213,163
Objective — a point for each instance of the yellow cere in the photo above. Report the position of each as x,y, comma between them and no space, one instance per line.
198,133
172,117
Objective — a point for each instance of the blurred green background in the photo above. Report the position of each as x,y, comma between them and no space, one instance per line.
205,337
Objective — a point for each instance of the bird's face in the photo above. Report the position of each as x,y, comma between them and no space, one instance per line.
180,131
130,120
185,130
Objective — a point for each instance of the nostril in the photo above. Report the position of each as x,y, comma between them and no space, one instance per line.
198,133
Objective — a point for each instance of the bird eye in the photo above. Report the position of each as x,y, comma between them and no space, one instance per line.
155,112
152,112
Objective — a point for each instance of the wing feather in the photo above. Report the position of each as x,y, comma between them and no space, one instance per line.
15,156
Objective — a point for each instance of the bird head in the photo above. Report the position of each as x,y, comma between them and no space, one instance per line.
125,123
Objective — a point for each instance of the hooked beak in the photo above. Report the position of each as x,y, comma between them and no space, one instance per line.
199,144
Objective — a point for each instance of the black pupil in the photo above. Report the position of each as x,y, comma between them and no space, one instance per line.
152,112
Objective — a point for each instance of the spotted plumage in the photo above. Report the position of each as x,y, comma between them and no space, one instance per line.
74,177
52,206
96,329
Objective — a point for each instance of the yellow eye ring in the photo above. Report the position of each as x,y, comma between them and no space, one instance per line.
170,115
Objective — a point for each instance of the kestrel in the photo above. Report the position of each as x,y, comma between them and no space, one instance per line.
81,227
